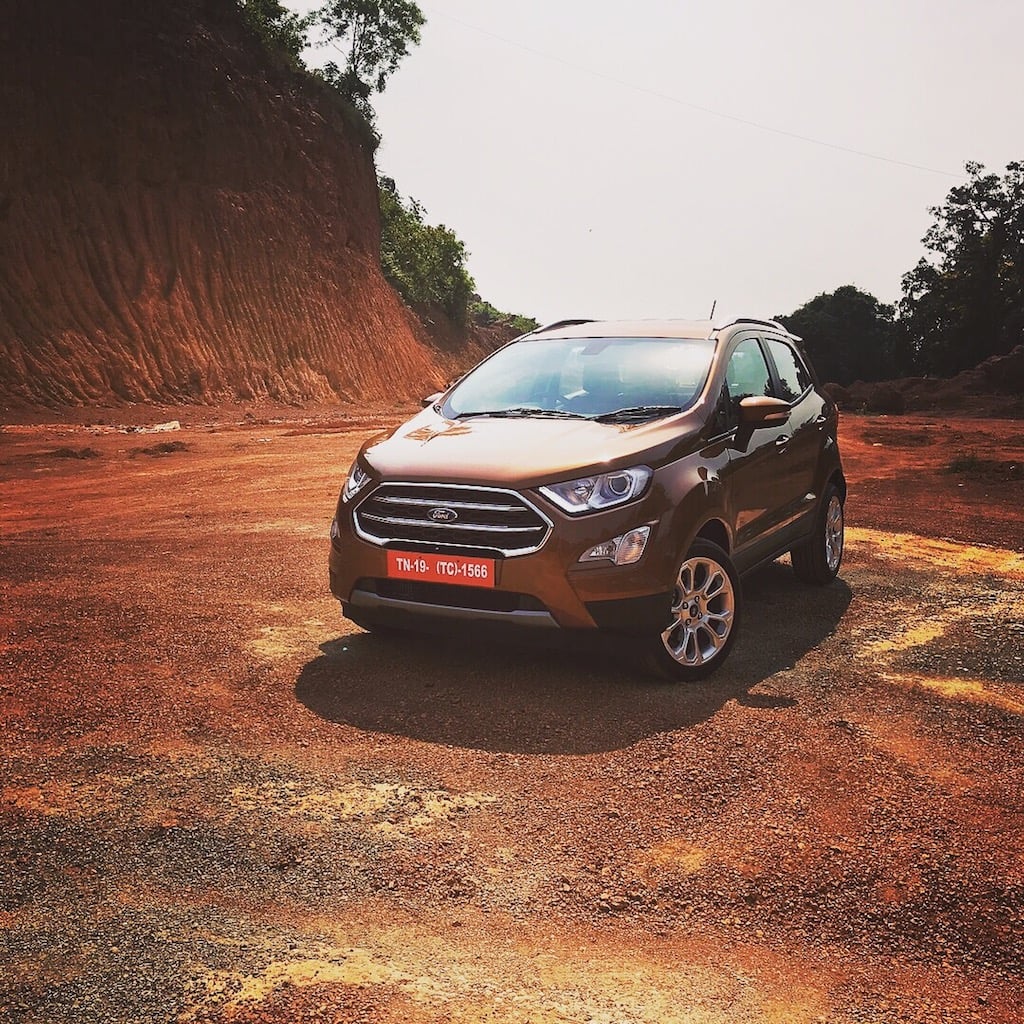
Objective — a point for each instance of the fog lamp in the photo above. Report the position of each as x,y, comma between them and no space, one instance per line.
622,550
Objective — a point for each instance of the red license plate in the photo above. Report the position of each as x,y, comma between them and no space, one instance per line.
415,565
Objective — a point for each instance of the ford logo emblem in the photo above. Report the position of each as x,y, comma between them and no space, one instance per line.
443,515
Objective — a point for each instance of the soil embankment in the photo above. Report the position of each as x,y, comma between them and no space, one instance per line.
994,388
182,220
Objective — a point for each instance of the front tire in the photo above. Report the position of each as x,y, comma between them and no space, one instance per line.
703,619
817,560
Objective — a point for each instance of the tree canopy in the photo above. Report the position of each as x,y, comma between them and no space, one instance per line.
848,333
374,36
280,29
964,301
961,304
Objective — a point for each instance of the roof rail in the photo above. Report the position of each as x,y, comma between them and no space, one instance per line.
563,323
752,320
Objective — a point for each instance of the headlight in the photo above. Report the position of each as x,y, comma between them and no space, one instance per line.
358,478
591,493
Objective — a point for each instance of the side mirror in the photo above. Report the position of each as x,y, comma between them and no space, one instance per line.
431,399
761,411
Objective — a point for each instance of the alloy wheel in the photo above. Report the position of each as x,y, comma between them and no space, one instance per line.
703,611
834,533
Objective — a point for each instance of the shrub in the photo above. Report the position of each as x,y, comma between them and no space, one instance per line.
426,263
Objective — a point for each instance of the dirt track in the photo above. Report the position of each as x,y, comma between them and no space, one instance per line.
221,802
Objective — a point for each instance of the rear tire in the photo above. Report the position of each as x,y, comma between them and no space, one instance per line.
704,618
817,560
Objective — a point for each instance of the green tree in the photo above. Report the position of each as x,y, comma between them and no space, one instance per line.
281,30
965,301
426,263
849,335
374,36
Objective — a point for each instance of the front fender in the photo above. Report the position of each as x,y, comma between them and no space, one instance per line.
697,496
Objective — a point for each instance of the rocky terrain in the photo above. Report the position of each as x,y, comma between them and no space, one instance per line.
220,802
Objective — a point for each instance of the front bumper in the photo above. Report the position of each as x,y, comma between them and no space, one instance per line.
543,590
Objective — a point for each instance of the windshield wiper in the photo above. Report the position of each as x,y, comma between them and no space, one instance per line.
524,412
637,413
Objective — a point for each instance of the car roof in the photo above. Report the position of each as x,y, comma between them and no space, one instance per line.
627,329
648,328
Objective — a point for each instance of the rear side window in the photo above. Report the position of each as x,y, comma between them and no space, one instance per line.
793,375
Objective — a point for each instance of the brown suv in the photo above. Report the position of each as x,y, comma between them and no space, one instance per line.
599,475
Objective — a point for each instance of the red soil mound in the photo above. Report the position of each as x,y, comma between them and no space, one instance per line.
995,388
182,220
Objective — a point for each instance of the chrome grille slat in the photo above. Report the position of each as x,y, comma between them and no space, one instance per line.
396,521
451,503
493,517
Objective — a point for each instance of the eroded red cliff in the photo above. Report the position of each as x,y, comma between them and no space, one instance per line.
181,219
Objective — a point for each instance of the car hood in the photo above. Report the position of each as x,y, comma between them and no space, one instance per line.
522,452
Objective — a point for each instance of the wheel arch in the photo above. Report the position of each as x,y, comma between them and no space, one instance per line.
839,480
715,531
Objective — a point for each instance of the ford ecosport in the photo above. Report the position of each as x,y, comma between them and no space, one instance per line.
589,475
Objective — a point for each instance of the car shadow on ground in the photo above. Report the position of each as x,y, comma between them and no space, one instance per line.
580,694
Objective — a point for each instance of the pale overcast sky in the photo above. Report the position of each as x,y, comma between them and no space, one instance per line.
604,159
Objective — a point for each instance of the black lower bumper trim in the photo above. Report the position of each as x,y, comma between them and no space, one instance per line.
632,615
368,609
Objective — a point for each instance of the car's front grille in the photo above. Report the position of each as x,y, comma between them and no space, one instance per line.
452,516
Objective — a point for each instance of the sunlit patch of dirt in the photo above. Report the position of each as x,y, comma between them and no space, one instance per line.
912,636
387,808
953,615
276,642
971,691
500,972
911,550
232,990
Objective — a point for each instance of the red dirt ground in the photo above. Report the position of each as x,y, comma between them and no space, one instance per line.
222,802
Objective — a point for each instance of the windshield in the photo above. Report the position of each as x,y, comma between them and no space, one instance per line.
611,379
